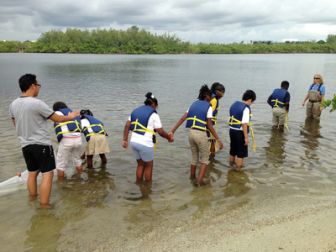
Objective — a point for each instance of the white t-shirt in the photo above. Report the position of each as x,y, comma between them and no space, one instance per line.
65,128
85,123
245,119
154,122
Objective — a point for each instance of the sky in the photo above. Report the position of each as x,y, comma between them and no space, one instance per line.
208,21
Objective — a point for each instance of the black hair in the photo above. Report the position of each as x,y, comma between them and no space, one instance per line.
59,105
249,94
216,86
150,99
285,84
204,92
26,81
86,112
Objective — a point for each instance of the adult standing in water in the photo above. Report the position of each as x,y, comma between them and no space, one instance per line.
144,122
217,92
30,118
315,97
198,118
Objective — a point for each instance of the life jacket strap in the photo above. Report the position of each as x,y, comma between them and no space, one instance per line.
276,102
142,128
234,121
102,131
77,129
194,126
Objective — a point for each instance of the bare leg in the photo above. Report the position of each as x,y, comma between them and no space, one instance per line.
89,161
139,171
192,171
239,163
212,149
103,159
45,189
232,160
32,185
60,175
201,174
148,170
79,168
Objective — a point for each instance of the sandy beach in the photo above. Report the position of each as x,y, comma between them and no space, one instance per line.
309,229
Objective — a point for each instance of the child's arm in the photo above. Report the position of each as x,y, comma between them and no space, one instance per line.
125,135
178,124
214,133
246,139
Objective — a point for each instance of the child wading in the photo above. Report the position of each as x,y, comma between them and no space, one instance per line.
240,113
198,118
96,138
279,101
217,92
144,121
68,135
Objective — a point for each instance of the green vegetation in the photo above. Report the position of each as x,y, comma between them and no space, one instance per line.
139,41
332,103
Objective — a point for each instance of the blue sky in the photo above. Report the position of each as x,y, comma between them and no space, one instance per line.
220,21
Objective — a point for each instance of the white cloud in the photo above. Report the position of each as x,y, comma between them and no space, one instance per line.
219,21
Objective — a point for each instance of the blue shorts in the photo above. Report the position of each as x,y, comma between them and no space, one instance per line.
142,152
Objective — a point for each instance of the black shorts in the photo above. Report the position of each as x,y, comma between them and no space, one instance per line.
39,157
237,144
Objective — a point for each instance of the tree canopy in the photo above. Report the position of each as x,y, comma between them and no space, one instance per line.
139,41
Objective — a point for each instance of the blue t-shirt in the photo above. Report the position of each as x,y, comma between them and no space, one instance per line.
316,87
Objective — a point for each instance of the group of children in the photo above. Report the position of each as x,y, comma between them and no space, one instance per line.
30,117
144,122
69,136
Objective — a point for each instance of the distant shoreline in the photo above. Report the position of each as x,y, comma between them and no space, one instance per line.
139,41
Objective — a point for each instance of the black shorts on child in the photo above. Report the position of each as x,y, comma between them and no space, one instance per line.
39,157
237,144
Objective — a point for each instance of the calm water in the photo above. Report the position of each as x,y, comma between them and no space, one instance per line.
104,208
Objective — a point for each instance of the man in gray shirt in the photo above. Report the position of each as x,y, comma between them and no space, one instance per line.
30,117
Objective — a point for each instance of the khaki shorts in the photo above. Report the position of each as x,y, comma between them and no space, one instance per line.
97,145
279,116
200,146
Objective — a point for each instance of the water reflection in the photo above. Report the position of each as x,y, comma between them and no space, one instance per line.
44,231
237,184
311,134
201,200
275,151
213,173
143,210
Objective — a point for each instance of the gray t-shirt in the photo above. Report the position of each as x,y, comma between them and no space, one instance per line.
31,120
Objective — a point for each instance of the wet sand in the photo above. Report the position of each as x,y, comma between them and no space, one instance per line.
311,229
304,225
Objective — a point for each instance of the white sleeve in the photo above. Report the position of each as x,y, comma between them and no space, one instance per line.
59,113
246,115
209,113
155,118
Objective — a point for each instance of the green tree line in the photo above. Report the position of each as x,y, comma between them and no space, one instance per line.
139,41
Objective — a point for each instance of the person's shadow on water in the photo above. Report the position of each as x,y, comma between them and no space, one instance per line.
275,151
237,184
311,134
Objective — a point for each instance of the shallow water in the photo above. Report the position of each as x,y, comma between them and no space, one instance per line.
104,208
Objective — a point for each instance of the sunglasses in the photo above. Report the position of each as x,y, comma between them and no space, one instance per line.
37,84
